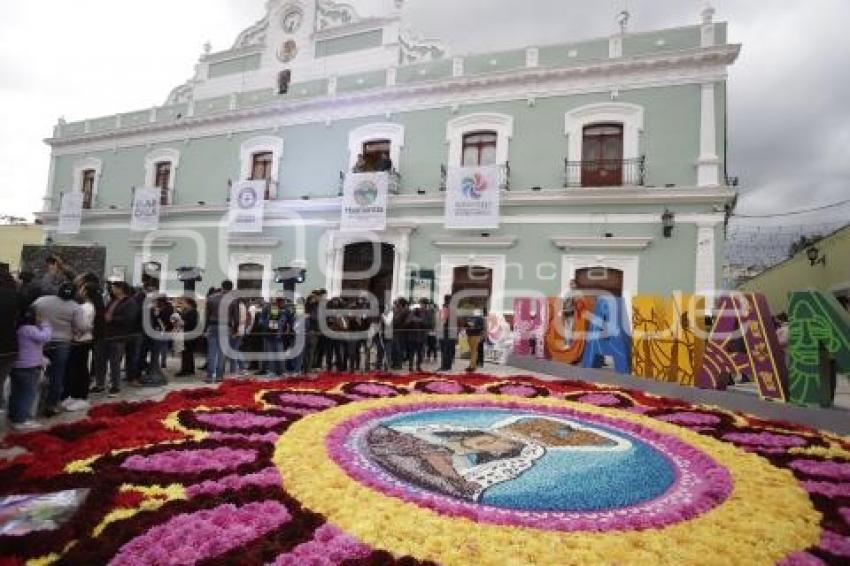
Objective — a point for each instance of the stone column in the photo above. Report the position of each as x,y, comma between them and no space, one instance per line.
708,164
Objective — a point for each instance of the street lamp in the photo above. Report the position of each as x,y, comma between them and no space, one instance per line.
814,256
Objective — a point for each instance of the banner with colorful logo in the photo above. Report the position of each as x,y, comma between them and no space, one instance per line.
364,202
473,198
70,213
247,207
146,203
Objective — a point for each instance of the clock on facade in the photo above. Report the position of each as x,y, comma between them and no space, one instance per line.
292,21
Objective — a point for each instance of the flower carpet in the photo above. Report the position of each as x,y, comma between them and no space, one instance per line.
425,470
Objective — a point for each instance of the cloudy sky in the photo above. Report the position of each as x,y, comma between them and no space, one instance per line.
789,115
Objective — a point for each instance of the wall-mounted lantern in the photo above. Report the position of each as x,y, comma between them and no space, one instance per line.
814,256
668,220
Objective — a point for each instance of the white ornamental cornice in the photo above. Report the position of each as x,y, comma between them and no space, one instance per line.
330,14
694,66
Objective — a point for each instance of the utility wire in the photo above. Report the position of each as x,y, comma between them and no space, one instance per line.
795,212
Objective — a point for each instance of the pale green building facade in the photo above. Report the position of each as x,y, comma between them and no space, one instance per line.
352,80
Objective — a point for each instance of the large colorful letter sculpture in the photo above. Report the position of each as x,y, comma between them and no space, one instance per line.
559,347
743,340
819,327
529,327
669,337
608,335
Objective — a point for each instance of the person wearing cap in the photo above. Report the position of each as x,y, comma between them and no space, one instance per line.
58,311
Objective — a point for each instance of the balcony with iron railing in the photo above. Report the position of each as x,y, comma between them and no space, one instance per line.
504,177
394,181
605,173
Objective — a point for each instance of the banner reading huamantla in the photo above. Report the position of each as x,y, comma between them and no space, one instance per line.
70,213
364,202
473,198
247,207
146,206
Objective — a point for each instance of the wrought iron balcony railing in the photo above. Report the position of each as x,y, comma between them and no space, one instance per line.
394,183
605,173
504,180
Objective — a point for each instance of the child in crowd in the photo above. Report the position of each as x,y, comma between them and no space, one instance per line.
33,334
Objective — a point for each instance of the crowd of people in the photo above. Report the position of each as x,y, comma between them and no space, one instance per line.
64,337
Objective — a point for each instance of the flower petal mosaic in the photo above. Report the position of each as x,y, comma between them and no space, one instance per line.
420,470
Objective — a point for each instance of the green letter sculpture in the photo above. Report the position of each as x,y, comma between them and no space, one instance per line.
818,326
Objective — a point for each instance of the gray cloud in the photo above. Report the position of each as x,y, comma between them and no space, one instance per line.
789,121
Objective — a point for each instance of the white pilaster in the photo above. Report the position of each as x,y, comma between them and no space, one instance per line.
457,67
615,46
706,270
392,76
708,164
532,57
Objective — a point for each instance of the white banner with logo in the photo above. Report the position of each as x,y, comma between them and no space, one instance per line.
247,206
364,202
146,203
473,198
70,213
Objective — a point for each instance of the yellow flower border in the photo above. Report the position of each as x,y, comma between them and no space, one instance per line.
767,516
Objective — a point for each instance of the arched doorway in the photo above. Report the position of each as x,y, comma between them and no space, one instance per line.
472,285
368,268
601,279
250,280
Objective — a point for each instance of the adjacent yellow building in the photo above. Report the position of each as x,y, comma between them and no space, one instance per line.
13,238
824,266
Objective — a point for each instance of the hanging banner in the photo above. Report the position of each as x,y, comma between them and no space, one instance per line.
364,202
472,198
70,213
247,207
146,204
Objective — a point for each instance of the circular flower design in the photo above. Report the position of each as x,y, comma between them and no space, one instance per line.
474,186
345,469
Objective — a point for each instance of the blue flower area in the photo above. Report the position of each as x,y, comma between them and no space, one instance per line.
598,469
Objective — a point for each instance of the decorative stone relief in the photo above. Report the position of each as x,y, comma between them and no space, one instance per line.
416,49
330,14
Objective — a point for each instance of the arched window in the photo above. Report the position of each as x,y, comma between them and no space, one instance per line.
602,155
162,181
261,169
479,148
87,187
260,161
376,156
250,279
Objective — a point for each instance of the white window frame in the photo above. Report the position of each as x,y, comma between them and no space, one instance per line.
373,132
457,128
631,116
260,259
157,156
141,259
262,144
628,264
497,262
84,165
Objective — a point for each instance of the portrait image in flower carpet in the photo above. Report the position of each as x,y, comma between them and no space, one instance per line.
424,470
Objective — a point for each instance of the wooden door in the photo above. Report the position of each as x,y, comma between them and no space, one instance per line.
475,281
600,279
602,156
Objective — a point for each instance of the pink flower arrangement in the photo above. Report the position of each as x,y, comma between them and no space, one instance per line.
834,470
443,387
307,400
765,439
329,547
265,438
190,538
518,390
240,420
191,461
600,399
269,477
845,514
690,419
827,489
374,390
836,544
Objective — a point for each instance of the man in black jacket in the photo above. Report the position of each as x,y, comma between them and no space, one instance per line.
121,318
8,329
